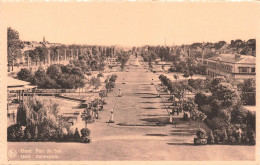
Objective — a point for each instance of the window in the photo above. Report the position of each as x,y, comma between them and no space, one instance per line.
243,70
253,70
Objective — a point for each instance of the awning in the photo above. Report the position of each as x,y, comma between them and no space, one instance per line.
30,87
26,87
15,84
15,88
12,82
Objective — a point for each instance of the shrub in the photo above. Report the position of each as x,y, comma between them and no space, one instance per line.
251,119
248,89
215,106
27,135
25,75
218,136
84,139
12,132
231,133
224,136
251,136
211,138
186,74
206,109
185,116
232,139
200,98
85,132
238,115
113,78
217,123
226,94
172,69
40,123
225,114
201,133
69,137
76,135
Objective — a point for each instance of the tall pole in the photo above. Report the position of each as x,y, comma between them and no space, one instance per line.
58,51
28,58
49,57
77,55
71,53
202,55
27,91
23,96
65,54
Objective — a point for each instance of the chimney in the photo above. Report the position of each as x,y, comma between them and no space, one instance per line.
237,56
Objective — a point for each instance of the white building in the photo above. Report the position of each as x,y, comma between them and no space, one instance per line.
235,66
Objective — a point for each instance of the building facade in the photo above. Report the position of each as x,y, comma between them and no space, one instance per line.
234,66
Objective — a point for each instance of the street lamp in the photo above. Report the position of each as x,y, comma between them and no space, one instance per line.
171,117
120,94
158,93
111,119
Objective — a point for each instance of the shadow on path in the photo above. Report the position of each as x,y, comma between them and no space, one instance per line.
149,97
152,115
144,93
158,134
188,144
148,102
149,108
157,119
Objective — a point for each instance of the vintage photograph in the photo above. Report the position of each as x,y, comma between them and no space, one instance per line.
130,81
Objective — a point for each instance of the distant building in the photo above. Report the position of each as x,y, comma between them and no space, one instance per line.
235,66
31,45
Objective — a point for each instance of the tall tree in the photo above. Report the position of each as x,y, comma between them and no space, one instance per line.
42,53
34,55
249,92
14,45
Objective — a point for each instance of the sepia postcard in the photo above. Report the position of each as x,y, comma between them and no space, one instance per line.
129,82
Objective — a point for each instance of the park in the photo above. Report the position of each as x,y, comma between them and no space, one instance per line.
141,128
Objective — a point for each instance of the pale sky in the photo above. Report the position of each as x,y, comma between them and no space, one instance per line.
132,23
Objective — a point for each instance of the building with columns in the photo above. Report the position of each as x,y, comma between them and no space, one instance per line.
235,66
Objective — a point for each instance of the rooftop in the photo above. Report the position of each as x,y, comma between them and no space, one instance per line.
12,82
234,58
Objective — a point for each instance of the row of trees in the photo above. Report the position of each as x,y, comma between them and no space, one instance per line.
186,58
181,58
123,57
110,82
177,89
92,110
55,77
57,52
